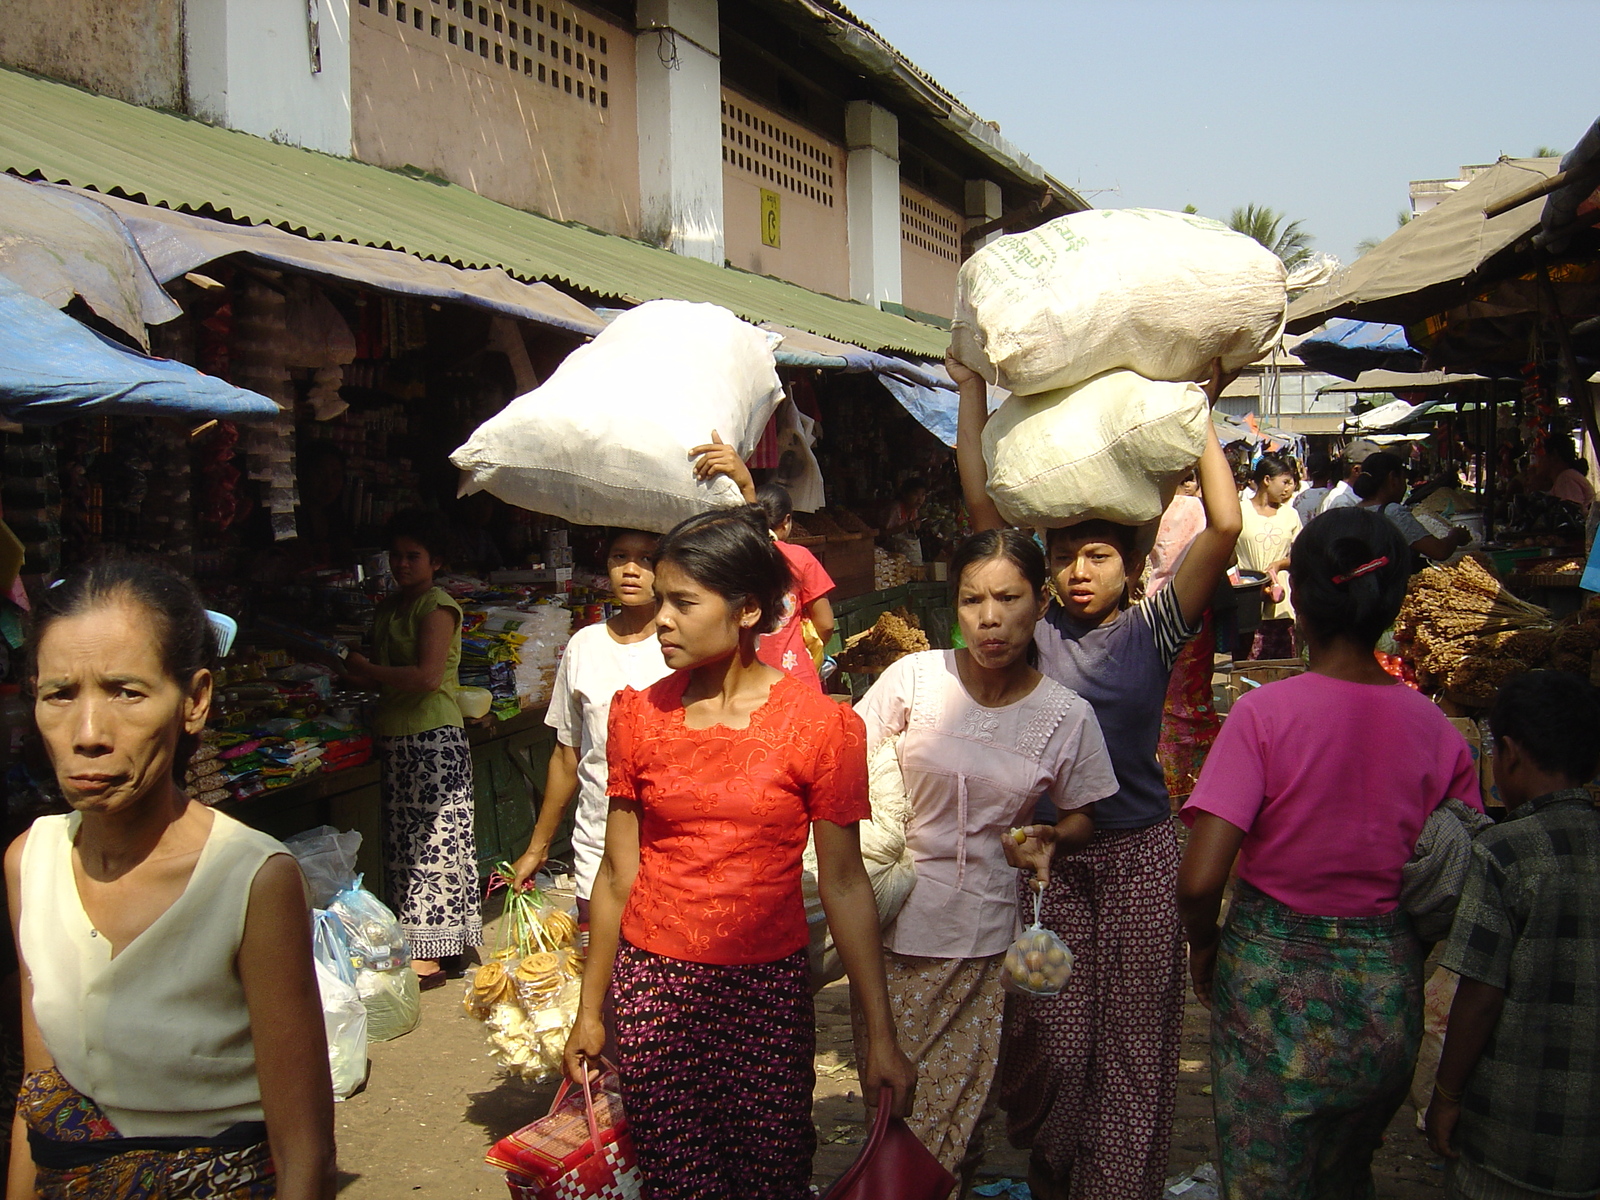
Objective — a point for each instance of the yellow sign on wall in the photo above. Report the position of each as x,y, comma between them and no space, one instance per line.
771,219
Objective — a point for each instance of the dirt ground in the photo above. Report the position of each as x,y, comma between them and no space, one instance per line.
435,1102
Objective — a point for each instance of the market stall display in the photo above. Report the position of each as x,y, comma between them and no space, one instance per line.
1465,631
893,636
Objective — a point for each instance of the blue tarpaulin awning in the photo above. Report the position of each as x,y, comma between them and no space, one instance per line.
53,368
1346,348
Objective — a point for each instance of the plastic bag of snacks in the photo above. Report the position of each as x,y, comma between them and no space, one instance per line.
1038,963
378,950
527,993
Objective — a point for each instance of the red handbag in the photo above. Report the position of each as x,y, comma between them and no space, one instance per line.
893,1165
580,1151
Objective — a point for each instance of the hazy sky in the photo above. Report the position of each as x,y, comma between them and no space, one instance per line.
1324,111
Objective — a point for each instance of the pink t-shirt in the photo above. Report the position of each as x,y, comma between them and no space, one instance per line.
1331,782
786,647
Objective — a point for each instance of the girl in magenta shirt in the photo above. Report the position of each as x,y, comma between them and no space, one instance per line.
1319,786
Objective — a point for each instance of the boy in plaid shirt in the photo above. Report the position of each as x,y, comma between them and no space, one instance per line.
1516,1106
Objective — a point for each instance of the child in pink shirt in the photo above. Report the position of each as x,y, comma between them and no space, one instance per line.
785,647
1319,785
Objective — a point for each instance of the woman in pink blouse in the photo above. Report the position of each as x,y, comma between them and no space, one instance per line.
983,738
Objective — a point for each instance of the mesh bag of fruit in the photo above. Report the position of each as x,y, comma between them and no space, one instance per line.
1038,963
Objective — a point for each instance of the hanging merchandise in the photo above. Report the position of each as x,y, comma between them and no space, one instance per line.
260,362
527,994
798,470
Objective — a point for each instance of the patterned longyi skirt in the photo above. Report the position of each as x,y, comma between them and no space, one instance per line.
1315,1025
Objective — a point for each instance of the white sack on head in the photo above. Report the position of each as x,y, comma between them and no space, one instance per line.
1112,448
606,439
1131,289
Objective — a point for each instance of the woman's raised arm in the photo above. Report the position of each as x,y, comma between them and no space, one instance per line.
972,416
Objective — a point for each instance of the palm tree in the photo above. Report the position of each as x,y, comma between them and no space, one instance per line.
1289,242
1401,220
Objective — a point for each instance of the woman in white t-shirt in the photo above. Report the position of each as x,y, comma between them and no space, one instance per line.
599,661
1270,526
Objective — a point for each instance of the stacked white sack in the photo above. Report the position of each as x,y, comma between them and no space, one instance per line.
606,439
1113,448
1163,294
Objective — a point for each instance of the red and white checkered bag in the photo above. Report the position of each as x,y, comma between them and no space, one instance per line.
580,1150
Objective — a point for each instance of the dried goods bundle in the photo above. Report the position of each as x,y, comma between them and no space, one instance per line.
894,635
1455,613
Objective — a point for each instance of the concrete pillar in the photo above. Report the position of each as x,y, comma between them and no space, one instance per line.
872,199
983,206
678,56
279,69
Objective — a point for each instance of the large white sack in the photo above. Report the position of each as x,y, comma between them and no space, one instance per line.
1133,289
890,868
606,439
1112,448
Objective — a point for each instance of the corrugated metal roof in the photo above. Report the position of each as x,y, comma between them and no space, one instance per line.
68,135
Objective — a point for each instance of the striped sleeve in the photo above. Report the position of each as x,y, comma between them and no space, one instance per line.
1167,625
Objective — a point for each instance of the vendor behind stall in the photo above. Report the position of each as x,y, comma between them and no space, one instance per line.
902,522
1381,486
429,854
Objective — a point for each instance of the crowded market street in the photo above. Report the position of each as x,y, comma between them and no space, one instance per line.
435,1101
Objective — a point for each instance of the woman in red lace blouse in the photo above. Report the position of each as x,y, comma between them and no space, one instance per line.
717,774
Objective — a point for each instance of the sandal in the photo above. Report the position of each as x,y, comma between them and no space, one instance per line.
434,979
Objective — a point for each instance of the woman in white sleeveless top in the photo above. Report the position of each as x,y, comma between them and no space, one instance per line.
161,941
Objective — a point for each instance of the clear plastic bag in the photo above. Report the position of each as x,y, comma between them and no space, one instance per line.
1038,963
330,946
376,940
393,1001
327,859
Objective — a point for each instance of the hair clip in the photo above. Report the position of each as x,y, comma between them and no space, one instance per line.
1365,568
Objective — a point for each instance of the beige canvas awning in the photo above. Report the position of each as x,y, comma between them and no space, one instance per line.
1437,260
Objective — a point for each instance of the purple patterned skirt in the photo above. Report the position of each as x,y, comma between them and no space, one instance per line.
717,1073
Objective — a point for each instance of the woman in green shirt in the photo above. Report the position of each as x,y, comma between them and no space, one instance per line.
429,854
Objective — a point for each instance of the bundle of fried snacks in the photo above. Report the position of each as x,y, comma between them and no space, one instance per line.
527,993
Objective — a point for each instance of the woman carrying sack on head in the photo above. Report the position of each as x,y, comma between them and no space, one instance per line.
697,925
1089,1078
430,856
983,738
1319,786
